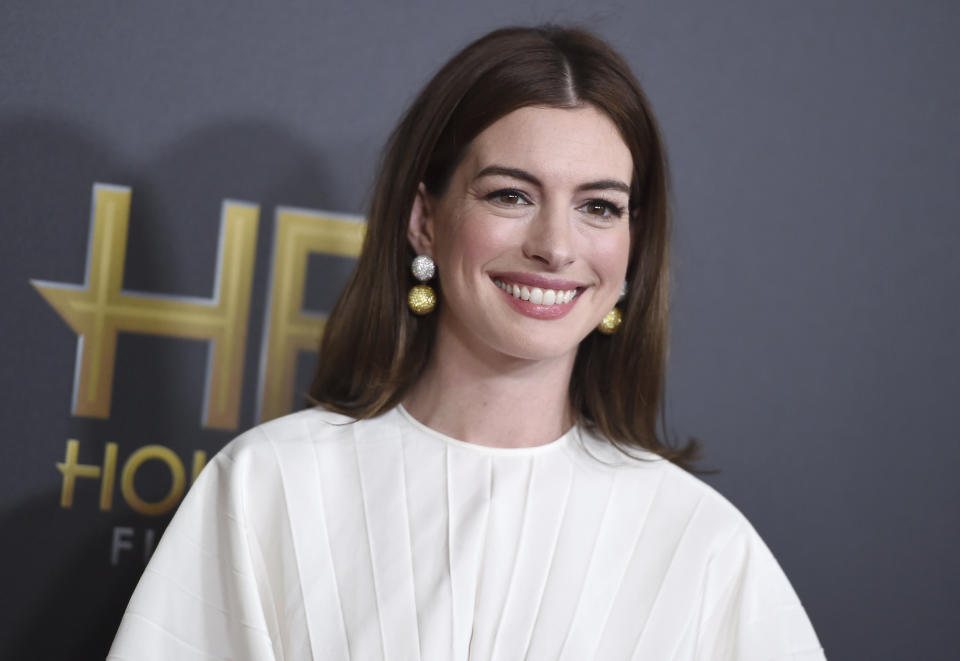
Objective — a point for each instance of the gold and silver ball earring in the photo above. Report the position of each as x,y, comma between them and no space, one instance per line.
422,299
611,321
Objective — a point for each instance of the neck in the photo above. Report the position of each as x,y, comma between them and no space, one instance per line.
491,399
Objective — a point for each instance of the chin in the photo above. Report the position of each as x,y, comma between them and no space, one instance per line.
539,347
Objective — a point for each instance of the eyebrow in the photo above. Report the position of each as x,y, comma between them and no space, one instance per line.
517,173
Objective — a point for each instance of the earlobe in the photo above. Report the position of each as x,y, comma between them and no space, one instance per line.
420,225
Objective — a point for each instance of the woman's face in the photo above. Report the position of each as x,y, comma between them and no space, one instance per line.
532,236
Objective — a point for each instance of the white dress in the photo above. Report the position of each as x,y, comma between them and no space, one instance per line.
317,537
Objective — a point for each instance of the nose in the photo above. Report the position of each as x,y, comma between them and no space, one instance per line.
549,239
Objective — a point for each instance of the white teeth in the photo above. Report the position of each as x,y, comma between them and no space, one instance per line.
538,295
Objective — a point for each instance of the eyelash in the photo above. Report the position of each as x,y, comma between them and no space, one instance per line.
614,210
497,194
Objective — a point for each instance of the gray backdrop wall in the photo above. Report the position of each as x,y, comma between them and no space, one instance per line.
816,162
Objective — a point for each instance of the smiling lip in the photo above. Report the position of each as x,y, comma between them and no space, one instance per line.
528,282
534,280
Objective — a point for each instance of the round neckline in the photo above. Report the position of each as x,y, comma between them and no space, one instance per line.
561,442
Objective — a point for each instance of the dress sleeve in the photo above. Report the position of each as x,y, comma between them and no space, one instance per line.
751,612
202,595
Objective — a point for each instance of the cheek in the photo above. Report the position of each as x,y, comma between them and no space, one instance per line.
475,241
612,253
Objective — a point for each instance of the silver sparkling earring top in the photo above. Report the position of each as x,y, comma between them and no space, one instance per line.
423,268
623,290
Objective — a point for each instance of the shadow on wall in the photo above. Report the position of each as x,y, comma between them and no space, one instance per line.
63,597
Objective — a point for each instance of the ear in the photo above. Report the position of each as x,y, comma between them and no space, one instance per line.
420,225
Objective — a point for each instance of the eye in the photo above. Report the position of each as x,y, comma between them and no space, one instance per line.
602,208
509,197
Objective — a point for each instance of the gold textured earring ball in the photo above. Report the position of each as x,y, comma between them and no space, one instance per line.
422,299
611,321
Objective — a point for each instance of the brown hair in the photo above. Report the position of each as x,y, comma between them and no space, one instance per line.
374,349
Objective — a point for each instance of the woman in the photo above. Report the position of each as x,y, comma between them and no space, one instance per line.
482,477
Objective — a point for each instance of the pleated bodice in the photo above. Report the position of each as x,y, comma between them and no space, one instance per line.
315,536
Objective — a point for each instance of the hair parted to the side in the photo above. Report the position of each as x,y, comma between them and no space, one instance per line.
373,349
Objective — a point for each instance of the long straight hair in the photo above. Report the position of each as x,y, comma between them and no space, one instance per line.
373,349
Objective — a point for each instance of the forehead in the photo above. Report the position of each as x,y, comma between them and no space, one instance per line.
575,144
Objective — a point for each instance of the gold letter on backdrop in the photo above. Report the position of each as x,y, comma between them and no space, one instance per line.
71,470
290,329
99,309
167,456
